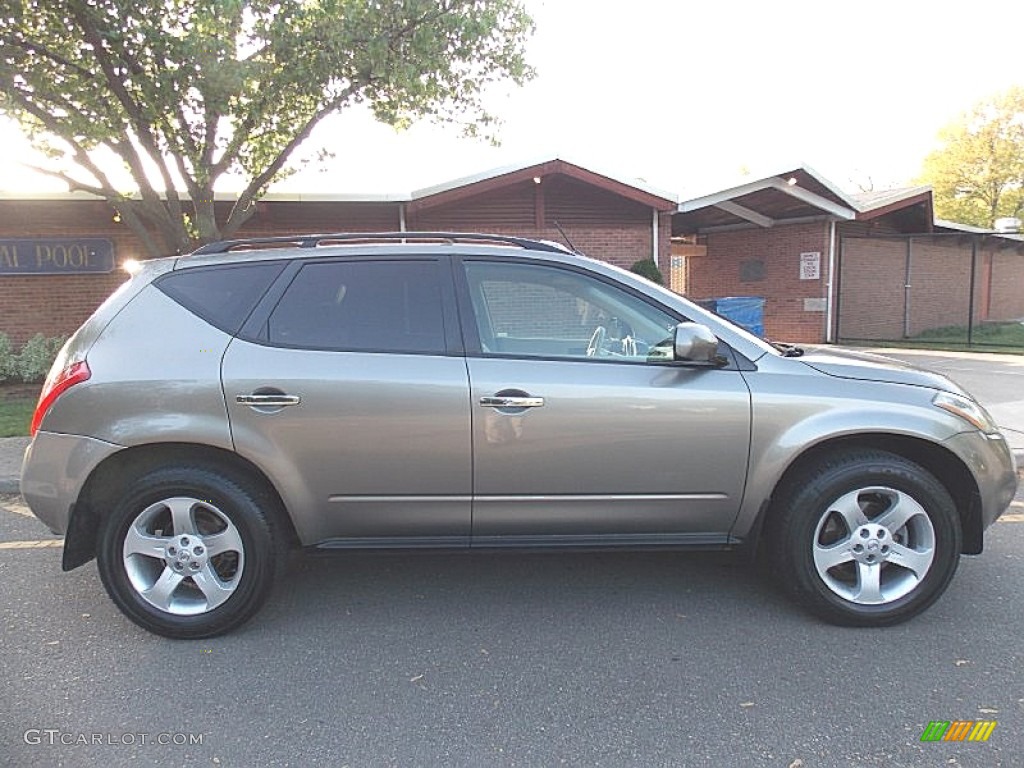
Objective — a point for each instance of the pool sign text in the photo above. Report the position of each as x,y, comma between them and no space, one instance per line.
59,256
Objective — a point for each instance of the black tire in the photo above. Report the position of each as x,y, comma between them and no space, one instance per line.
810,528
216,504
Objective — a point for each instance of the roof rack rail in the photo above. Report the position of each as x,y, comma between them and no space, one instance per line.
314,241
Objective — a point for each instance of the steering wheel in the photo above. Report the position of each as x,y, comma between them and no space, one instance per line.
595,347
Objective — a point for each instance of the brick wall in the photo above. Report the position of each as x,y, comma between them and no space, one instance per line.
729,269
872,273
1006,285
56,305
940,285
873,302
600,224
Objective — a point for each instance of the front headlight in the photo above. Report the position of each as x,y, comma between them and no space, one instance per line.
967,409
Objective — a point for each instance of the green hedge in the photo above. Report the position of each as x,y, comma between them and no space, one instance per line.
647,268
32,362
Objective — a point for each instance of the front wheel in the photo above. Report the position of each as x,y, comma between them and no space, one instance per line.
866,538
188,552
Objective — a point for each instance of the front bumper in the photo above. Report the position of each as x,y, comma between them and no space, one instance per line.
990,460
54,470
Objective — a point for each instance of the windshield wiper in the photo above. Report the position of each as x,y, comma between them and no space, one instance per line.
787,350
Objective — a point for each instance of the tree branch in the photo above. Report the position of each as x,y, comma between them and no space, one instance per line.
239,212
174,221
42,50
73,183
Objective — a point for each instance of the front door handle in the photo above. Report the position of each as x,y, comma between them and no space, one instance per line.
268,400
507,401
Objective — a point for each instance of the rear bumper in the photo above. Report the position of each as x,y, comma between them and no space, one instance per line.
54,470
990,460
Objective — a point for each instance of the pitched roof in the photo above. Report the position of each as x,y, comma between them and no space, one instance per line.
458,189
797,193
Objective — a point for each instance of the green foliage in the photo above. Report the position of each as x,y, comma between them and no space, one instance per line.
7,358
978,173
647,268
36,357
197,89
33,362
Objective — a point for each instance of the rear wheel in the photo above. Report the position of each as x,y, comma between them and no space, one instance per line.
188,552
866,538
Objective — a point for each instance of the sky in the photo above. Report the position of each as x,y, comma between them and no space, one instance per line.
689,97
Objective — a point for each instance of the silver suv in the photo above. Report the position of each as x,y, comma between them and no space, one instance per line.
446,390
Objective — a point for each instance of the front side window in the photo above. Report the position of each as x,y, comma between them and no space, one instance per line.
540,311
362,306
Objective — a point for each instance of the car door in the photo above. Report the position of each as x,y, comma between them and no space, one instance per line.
348,391
584,430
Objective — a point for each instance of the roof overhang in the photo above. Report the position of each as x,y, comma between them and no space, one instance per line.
797,196
909,210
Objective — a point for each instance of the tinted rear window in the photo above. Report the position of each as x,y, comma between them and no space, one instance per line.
222,296
362,306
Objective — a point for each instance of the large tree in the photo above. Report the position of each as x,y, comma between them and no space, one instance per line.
978,171
185,92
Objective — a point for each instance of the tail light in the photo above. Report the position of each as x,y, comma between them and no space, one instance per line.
55,386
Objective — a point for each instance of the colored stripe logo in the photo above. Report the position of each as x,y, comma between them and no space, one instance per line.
958,730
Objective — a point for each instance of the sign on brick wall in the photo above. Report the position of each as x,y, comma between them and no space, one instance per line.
58,256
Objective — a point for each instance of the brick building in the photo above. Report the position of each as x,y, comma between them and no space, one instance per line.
51,278
832,266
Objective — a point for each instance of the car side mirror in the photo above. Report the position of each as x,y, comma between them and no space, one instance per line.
695,343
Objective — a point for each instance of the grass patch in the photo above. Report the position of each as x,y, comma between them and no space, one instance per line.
989,334
17,402
986,337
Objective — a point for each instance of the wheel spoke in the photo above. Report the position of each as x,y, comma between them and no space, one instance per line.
917,562
181,515
227,540
899,514
848,507
829,557
209,583
869,576
137,542
162,591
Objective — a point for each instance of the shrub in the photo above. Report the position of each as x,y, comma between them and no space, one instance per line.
647,268
7,358
34,361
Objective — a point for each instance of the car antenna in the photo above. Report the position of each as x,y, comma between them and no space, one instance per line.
565,237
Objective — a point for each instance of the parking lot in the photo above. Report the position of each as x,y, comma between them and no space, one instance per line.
651,659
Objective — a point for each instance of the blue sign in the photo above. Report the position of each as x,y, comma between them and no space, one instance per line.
59,256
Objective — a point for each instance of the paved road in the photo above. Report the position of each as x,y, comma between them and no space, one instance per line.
513,660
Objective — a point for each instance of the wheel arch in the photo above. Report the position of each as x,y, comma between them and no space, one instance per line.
947,468
112,475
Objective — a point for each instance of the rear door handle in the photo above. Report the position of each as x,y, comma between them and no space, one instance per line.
506,401
268,401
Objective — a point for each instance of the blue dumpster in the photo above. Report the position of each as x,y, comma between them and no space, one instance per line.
746,311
